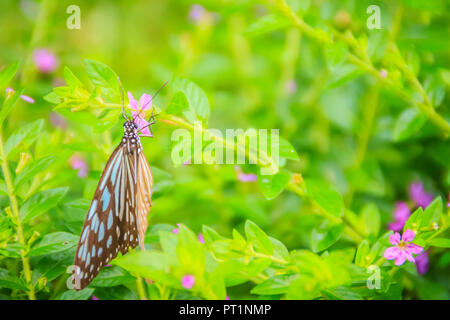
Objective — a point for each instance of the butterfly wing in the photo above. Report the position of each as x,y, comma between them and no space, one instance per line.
144,194
110,225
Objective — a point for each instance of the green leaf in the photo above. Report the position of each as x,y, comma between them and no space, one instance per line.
268,23
41,203
23,137
336,53
280,249
53,98
325,236
84,294
414,222
71,80
372,220
275,285
439,242
190,251
197,98
7,74
432,212
178,104
330,200
10,281
32,169
258,265
260,240
272,185
286,150
362,253
54,242
112,276
409,122
104,77
210,235
8,105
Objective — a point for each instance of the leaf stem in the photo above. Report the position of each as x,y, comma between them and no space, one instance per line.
141,289
18,222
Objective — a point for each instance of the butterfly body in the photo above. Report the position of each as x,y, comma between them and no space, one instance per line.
117,217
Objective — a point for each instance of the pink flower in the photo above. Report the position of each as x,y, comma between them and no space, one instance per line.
176,229
401,215
11,91
244,177
402,249
79,164
422,263
290,86
419,196
94,298
45,60
188,281
200,238
145,103
227,298
197,12
383,73
58,121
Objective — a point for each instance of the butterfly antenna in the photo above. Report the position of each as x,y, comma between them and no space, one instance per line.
123,99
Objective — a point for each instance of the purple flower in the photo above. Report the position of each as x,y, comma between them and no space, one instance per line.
290,86
418,195
227,298
176,229
45,60
422,263
145,103
58,121
200,238
79,164
401,215
244,177
11,91
188,281
197,12
402,249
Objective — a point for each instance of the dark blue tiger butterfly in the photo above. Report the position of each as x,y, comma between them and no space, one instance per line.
117,217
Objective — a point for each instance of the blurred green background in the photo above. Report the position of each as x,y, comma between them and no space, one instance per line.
347,123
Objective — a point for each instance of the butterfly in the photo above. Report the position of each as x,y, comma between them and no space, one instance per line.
117,217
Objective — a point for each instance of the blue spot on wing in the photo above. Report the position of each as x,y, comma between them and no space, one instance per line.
101,232
92,209
105,199
110,219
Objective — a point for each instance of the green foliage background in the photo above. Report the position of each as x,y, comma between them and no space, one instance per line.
368,115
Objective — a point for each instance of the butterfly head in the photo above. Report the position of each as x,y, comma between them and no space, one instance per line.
130,127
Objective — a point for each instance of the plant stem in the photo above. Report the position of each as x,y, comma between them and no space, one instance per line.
18,222
141,289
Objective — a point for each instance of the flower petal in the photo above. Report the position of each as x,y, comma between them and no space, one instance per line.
145,101
402,211
408,255
408,235
396,225
391,253
133,103
394,238
414,248
400,260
